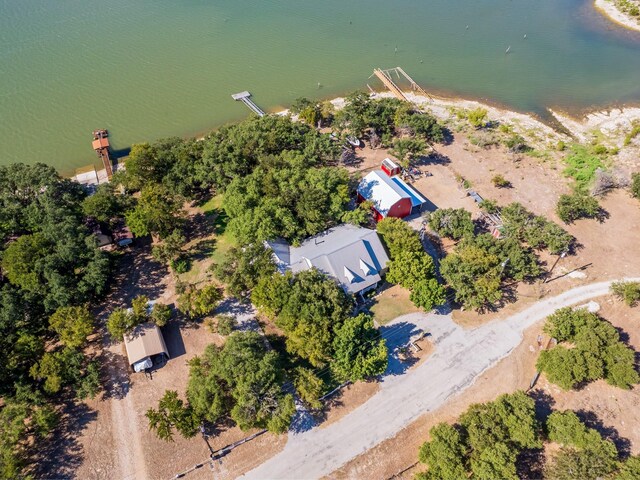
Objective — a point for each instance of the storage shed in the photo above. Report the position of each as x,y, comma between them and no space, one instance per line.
391,196
144,345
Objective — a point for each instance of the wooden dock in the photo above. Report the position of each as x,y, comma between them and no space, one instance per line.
385,78
245,97
101,146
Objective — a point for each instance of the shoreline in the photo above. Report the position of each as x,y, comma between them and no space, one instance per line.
609,121
609,10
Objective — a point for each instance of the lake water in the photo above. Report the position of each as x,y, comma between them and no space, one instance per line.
146,69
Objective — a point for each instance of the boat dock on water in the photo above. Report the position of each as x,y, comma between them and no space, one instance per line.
245,97
101,146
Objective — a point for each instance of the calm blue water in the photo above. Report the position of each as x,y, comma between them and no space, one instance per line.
147,69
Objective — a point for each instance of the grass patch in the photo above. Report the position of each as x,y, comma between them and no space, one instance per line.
392,303
582,163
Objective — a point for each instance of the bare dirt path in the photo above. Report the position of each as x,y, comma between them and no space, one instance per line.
460,357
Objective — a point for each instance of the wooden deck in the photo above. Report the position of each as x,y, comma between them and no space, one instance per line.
390,84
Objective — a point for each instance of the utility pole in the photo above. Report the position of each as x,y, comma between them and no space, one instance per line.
562,255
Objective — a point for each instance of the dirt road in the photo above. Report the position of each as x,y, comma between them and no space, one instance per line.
460,357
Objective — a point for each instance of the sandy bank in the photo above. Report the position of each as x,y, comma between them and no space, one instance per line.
614,123
609,9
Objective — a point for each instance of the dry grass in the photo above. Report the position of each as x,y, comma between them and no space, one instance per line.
392,303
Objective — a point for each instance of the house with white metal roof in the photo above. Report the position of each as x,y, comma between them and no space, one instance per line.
390,195
354,256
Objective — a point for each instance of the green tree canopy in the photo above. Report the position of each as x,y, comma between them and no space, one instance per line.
242,379
597,351
73,325
158,212
359,351
286,197
453,223
242,268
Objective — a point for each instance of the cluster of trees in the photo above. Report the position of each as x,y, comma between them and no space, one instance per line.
241,380
410,266
488,439
392,123
485,443
535,230
314,113
287,195
315,315
123,320
596,351
480,264
51,268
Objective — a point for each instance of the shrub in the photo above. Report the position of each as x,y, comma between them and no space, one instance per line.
577,205
160,314
226,324
500,182
635,185
627,291
489,206
181,265
477,118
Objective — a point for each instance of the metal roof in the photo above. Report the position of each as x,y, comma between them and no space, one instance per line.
144,341
380,189
352,255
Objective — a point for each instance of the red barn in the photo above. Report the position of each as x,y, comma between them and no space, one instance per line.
387,195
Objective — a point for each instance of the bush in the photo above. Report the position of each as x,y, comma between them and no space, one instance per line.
627,291
489,206
577,205
582,164
160,314
226,324
477,117
635,185
181,265
500,182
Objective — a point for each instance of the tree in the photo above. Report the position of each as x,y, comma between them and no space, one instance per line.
444,454
359,351
361,215
226,324
584,454
309,386
487,440
286,196
398,236
172,414
243,380
120,321
105,204
160,314
242,268
577,205
158,212
474,275
630,469
314,307
197,303
170,248
406,149
427,294
452,223
73,325
627,291
597,351
22,259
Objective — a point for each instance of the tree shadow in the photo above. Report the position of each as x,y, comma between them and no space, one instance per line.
115,375
434,158
397,337
530,464
543,404
591,420
62,454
